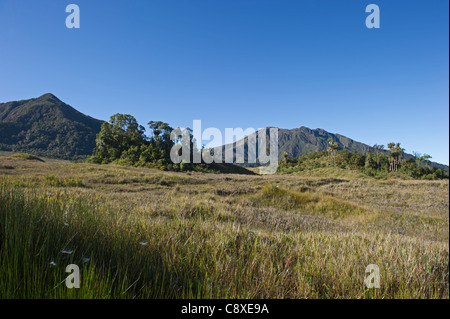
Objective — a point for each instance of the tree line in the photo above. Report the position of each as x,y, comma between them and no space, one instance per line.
377,161
122,140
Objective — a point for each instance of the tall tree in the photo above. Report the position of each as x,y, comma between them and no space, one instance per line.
391,146
118,137
426,159
417,158
332,149
378,149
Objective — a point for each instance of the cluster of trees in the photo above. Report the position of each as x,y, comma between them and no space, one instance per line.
377,162
425,158
396,156
123,140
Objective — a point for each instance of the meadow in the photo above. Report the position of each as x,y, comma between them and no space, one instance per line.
146,233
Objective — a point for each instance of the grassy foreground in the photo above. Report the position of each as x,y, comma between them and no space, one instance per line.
142,233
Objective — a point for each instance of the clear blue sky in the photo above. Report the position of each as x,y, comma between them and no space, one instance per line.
240,63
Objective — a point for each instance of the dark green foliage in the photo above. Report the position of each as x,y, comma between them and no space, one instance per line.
120,139
45,126
365,163
184,166
300,141
123,141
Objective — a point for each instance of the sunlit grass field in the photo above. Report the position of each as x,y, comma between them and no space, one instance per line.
143,233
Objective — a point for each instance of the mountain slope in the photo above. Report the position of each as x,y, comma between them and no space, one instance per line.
47,126
303,140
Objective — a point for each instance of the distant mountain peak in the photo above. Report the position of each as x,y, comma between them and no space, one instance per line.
303,140
47,126
49,97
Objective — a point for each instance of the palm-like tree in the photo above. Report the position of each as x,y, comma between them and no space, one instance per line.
396,155
332,149
378,149
418,158
375,147
330,141
285,155
402,154
422,158
391,158
426,159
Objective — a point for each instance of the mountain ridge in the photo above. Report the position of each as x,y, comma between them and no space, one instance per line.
47,126
303,140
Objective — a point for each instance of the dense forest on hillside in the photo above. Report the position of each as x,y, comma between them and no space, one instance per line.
46,126
123,141
375,164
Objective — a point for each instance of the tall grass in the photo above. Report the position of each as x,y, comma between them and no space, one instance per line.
310,202
195,255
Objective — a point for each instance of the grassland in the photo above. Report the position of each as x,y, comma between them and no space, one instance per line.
143,233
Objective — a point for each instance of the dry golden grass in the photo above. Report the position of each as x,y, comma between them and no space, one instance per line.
276,236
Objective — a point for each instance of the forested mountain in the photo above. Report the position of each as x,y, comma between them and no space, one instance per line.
299,141
47,126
